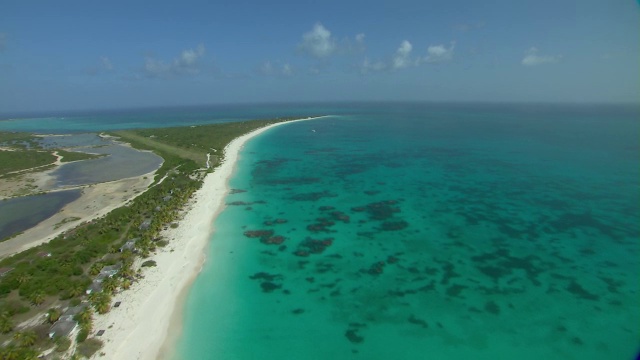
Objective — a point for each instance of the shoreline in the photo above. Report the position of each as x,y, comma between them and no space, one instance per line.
149,320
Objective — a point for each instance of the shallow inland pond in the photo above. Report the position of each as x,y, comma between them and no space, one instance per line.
20,214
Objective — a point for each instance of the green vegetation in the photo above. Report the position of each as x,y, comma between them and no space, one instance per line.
39,285
66,220
149,263
18,140
23,159
28,153
68,156
193,143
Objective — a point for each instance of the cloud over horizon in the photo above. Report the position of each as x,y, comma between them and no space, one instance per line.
439,53
318,42
532,58
185,64
270,69
402,57
105,65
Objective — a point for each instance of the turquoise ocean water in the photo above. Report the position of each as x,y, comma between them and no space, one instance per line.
428,232
416,231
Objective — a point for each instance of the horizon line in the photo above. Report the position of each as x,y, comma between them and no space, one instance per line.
21,114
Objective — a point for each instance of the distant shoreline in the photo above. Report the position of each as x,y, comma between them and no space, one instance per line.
148,323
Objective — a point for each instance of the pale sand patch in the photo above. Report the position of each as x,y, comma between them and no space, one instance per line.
96,200
150,311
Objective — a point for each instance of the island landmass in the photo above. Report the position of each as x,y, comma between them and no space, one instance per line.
81,283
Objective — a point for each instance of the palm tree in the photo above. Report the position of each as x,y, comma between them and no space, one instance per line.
25,338
126,255
127,270
85,319
28,354
76,289
53,315
102,303
6,325
110,285
94,296
24,278
10,352
126,284
36,298
84,316
95,268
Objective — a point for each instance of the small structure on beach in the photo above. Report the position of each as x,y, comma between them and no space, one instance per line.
62,327
129,245
145,224
109,271
106,272
95,287
74,310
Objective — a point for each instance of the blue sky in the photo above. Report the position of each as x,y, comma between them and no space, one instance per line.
67,55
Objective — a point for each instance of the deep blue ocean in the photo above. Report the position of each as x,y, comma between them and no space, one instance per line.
421,231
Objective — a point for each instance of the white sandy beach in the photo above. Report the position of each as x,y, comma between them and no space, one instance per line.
139,328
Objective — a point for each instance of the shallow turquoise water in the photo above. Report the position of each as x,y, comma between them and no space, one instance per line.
428,232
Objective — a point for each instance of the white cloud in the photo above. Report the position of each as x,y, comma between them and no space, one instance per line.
287,70
187,63
368,66
103,66
532,58
318,42
439,53
3,41
360,38
402,57
106,63
270,69
153,67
